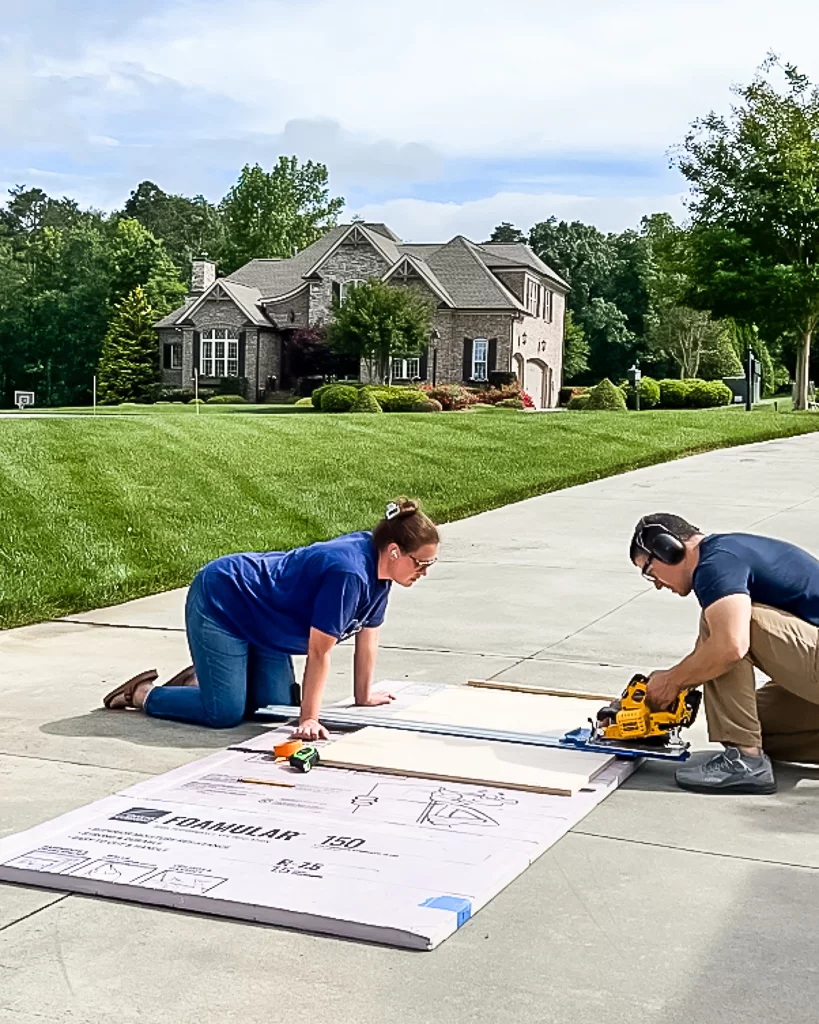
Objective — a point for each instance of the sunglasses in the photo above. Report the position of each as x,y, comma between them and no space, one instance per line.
421,563
646,572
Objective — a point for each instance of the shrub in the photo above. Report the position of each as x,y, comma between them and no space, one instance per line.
501,378
605,396
229,386
403,399
337,398
366,402
649,393
491,396
509,403
527,400
705,394
673,393
429,405
565,395
315,398
305,403
196,401
580,401
177,394
451,396
227,400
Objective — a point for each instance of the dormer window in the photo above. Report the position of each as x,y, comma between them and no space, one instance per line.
532,296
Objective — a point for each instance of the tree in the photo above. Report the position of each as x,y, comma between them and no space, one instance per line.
276,213
129,362
690,338
378,321
506,232
593,265
575,349
754,178
188,227
139,259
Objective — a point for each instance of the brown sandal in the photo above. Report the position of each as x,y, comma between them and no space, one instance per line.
126,689
187,677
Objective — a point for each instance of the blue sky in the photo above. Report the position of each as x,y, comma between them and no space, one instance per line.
439,116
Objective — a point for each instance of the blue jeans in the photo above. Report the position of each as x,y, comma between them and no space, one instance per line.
235,678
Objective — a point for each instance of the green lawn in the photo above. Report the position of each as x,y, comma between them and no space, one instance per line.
96,511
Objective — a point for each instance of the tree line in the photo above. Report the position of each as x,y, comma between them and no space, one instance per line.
742,272
75,284
684,299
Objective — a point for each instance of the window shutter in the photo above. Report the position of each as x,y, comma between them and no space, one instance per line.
467,359
242,351
196,347
492,359
422,365
166,356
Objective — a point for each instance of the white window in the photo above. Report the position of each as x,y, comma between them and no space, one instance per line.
406,369
548,305
219,355
532,296
480,356
344,289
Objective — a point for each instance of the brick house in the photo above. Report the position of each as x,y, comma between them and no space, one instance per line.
496,307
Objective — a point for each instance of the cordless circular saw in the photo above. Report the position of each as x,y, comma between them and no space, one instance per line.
629,719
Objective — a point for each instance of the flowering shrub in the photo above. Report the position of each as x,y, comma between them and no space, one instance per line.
491,396
527,400
451,396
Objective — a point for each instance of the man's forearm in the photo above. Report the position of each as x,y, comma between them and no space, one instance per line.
708,661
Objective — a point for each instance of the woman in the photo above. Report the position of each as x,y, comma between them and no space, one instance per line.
247,614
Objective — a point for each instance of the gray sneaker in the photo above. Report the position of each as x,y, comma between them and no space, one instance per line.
729,772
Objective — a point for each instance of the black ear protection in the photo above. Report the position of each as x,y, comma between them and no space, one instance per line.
659,543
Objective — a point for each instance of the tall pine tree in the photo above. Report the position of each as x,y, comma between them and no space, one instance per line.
129,362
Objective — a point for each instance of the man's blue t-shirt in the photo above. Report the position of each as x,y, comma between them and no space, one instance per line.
273,599
770,571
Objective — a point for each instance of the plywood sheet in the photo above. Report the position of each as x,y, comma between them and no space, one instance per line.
500,709
457,759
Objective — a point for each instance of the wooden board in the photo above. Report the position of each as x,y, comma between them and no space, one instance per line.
457,759
488,684
500,709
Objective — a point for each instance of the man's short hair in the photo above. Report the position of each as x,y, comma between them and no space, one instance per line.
675,525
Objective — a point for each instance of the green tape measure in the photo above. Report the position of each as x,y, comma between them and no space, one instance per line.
304,759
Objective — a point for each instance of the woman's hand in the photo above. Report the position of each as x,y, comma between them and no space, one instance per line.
310,729
375,699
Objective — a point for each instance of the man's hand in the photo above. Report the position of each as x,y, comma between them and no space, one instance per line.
310,729
376,698
661,691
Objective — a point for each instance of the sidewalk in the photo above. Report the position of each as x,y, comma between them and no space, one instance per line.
661,906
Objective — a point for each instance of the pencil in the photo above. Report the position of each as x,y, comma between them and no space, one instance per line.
265,782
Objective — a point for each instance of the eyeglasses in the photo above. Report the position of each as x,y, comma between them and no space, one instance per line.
420,563
646,572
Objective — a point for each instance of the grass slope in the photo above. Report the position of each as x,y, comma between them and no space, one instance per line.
97,511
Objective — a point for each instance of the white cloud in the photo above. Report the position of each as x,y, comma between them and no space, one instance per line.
416,220
531,76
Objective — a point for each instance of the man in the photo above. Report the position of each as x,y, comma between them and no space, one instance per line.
760,607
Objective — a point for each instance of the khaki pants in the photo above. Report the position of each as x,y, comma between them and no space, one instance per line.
782,716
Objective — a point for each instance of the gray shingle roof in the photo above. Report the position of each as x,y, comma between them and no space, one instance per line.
519,255
467,279
460,270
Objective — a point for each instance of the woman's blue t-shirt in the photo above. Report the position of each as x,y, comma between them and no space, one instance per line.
273,599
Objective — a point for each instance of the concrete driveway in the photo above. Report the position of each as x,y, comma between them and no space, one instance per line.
661,906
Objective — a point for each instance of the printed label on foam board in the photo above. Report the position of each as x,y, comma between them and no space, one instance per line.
388,859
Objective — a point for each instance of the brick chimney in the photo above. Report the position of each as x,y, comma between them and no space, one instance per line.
203,274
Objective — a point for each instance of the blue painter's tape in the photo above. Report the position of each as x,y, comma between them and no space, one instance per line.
458,905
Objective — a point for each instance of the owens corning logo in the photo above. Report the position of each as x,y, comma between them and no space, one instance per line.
141,815
231,828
